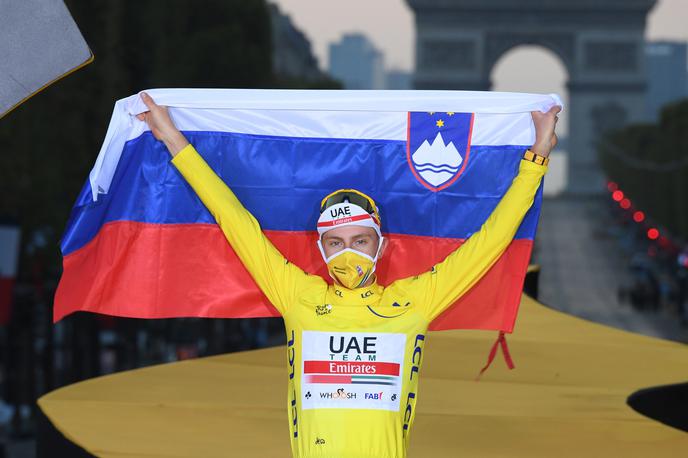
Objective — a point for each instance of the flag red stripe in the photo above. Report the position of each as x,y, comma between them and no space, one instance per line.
160,271
349,367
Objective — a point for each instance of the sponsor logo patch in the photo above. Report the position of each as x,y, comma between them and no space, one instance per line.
323,309
362,366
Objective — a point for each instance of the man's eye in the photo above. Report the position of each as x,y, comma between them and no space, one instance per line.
334,243
361,242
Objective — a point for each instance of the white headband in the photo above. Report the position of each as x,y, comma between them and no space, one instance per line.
346,214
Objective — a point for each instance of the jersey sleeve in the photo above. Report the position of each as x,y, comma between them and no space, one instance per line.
279,279
450,279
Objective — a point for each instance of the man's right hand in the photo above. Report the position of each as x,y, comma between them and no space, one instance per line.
161,125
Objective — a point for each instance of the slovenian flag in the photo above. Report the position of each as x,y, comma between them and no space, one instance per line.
139,243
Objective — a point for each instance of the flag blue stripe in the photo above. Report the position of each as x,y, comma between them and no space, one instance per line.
282,179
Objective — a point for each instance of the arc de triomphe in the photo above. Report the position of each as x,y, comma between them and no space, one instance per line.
600,42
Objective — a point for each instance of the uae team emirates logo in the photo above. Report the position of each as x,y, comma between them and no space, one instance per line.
438,146
363,369
357,363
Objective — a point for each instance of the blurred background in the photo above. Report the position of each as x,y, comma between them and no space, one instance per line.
613,237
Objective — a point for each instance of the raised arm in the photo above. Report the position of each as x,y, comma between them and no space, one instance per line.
276,277
453,277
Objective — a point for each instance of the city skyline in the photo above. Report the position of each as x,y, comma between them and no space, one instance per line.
666,21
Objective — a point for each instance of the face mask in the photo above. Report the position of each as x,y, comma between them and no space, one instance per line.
351,268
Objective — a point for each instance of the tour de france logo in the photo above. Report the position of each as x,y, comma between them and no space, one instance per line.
438,146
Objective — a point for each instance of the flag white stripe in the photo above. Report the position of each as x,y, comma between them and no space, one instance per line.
500,118
488,129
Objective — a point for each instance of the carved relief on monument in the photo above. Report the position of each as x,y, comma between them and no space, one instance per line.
610,56
448,54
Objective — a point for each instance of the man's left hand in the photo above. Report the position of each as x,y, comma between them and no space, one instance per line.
545,138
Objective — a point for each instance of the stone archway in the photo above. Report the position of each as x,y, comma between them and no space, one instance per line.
600,43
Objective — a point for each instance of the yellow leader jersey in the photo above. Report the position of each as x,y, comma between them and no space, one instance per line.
354,356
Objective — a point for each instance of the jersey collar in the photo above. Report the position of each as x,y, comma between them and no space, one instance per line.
363,295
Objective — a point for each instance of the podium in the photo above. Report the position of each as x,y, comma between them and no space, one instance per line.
566,397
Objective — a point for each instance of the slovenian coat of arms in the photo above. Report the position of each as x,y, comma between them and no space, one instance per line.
438,146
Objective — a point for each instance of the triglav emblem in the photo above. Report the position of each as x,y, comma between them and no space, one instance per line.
436,162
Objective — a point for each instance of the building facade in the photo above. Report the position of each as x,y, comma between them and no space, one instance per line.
356,62
667,75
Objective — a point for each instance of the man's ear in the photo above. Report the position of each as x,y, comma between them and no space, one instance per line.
383,247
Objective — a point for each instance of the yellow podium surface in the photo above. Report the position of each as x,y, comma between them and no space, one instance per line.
566,398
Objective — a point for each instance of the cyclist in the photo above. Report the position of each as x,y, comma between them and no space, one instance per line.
354,348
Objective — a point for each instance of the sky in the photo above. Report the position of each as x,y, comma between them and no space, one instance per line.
389,24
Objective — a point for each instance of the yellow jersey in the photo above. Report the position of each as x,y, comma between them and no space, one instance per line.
354,356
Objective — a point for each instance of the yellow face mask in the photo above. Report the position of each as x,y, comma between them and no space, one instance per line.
351,268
